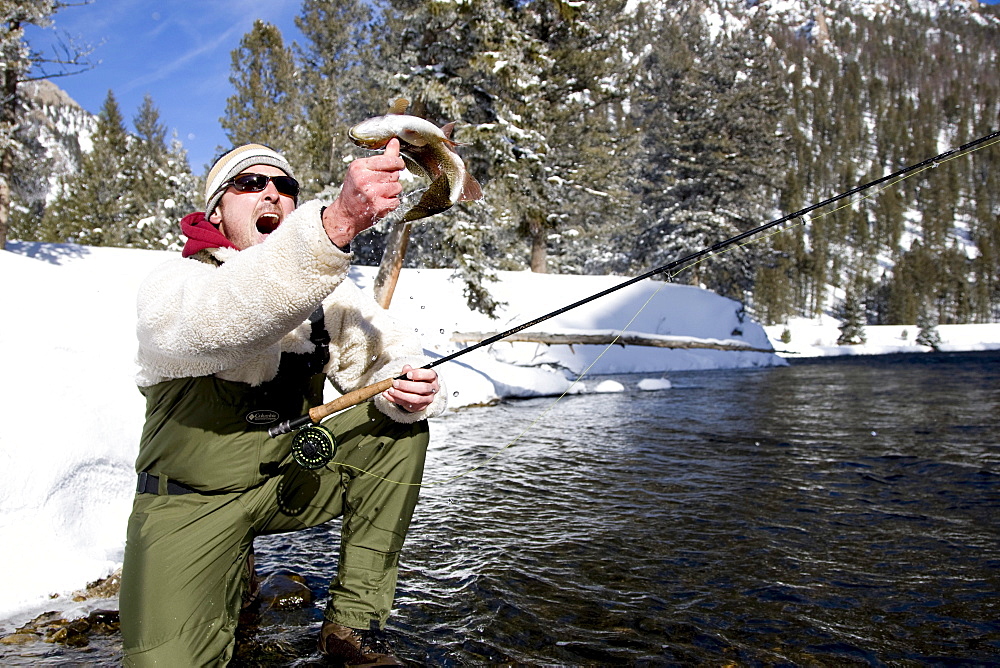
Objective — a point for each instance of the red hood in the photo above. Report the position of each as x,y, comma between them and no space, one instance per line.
201,234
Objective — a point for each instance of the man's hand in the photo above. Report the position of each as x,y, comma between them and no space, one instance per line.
417,392
370,191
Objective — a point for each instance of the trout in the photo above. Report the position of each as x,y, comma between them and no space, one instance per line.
427,151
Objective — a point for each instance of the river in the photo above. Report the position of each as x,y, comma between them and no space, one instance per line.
832,512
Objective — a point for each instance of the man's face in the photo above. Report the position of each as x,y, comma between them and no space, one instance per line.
248,218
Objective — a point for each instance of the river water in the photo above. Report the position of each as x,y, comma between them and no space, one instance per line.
841,512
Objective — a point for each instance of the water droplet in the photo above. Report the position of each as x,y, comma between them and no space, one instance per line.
422,308
454,394
441,330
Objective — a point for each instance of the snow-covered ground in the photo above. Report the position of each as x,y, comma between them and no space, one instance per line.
818,338
72,413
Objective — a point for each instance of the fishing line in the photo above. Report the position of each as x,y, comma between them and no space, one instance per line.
670,270
536,421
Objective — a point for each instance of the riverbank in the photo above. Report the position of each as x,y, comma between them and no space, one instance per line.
802,338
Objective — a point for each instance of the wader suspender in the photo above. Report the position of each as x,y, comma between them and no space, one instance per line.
319,338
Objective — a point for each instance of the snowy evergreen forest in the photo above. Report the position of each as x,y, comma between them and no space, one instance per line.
610,137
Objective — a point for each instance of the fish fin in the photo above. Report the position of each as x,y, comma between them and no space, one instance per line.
399,106
447,130
436,198
414,165
471,191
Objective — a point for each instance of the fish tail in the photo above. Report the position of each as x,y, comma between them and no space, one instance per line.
436,199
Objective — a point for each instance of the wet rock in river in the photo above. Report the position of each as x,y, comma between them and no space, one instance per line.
279,594
283,590
104,588
51,627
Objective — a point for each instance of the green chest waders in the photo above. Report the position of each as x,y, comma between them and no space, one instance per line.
186,553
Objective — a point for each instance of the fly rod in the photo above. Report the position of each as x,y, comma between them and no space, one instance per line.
357,396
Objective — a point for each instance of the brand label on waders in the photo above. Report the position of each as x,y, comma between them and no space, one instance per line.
262,417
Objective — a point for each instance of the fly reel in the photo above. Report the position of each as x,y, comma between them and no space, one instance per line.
313,447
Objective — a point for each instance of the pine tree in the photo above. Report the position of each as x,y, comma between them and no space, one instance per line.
148,154
163,187
265,107
91,206
710,119
130,189
577,188
852,316
434,49
343,78
887,213
528,83
927,322
954,290
29,184
774,298
17,60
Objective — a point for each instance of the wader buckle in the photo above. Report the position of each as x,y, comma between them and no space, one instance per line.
150,484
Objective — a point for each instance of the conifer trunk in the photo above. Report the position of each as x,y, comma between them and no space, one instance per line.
539,248
8,116
6,172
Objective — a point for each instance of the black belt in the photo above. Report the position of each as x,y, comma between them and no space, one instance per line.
150,484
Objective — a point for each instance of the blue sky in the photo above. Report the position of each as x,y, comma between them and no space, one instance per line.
177,51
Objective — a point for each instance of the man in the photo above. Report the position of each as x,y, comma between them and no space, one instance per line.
240,334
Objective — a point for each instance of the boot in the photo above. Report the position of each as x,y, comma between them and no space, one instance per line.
356,647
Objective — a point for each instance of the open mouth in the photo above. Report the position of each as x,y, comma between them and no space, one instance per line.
268,223
373,143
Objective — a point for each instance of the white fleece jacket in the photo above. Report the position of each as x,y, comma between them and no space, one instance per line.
235,320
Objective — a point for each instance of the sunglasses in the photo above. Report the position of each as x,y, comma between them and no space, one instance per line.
254,183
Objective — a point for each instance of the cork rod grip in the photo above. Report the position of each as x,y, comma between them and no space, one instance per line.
317,413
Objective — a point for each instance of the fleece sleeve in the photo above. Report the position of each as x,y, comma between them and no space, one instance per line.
368,346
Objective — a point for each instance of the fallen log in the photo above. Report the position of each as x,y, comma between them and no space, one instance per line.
618,338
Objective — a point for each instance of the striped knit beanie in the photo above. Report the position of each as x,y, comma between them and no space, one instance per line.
234,162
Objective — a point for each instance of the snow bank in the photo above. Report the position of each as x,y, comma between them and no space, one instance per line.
818,338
